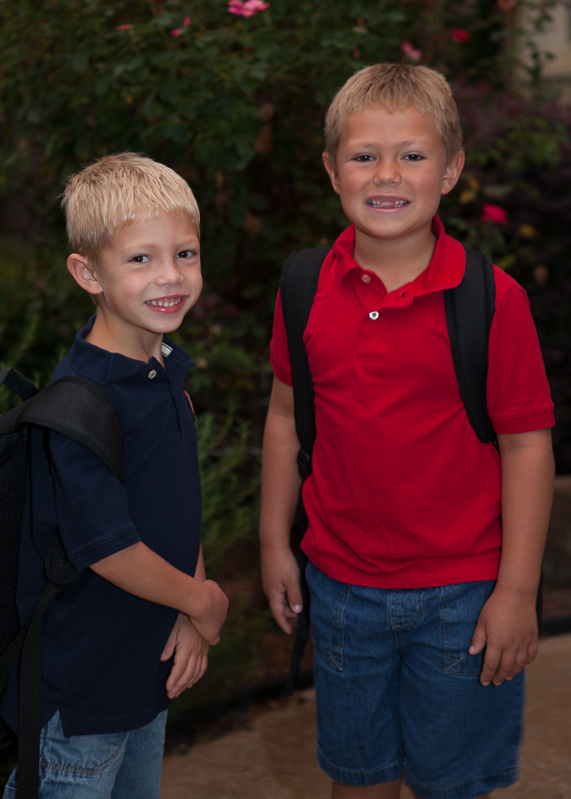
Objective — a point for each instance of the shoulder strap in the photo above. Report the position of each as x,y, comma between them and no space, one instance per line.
79,409
298,284
469,313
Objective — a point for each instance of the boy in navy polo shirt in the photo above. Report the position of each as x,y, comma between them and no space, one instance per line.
422,602
134,628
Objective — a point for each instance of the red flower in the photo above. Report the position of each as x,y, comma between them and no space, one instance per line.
460,35
494,213
123,27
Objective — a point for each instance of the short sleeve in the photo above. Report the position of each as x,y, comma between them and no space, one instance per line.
519,400
279,350
91,504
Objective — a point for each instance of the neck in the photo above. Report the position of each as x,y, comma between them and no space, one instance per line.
396,262
141,346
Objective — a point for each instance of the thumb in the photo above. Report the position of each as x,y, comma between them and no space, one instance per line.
294,597
478,639
169,646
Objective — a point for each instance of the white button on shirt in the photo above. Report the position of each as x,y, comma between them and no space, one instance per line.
152,373
366,278
374,315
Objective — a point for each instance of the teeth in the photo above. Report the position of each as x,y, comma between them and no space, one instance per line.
164,303
387,203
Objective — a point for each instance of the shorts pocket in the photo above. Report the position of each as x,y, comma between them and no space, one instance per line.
329,600
461,606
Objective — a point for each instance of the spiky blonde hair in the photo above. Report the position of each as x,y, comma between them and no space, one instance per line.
117,190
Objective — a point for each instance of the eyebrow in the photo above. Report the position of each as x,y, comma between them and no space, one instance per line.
407,143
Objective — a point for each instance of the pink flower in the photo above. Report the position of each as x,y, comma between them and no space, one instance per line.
494,213
407,48
460,35
248,8
123,27
178,31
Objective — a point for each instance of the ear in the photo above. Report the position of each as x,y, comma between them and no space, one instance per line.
332,172
452,172
84,273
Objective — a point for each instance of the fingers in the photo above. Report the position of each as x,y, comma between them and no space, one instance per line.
187,674
500,665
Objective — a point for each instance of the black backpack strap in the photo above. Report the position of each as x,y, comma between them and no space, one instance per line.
17,383
469,313
298,285
79,409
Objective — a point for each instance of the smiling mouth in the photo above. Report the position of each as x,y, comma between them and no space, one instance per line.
166,303
388,203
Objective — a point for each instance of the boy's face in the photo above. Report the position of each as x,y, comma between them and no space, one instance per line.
391,171
146,278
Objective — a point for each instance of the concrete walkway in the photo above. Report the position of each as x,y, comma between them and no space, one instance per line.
274,757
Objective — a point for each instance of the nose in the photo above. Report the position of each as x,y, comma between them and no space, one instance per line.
387,171
170,273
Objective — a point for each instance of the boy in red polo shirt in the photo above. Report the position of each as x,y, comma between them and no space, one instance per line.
424,544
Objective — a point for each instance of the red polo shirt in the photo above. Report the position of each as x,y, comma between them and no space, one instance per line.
402,493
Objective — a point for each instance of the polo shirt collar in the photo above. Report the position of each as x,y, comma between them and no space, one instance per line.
445,270
104,367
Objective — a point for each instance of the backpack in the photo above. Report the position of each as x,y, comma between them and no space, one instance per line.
81,410
469,314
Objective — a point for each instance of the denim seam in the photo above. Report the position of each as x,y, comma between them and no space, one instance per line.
79,769
358,770
508,773
450,668
337,656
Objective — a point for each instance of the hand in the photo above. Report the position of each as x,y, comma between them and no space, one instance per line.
190,656
507,627
280,576
210,617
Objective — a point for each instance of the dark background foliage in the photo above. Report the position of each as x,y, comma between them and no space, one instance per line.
236,105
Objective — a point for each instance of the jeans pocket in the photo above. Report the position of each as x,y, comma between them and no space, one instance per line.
329,600
461,606
83,755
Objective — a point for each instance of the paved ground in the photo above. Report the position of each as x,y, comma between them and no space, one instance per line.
274,757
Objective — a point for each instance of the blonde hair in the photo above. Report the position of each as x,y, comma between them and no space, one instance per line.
117,190
395,87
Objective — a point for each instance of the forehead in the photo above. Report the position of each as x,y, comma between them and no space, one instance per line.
378,126
156,229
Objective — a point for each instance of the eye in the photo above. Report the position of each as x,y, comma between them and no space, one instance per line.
414,157
186,254
363,159
139,259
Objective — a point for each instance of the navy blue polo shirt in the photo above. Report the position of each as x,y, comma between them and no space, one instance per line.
101,646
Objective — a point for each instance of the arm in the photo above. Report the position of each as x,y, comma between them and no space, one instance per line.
189,648
280,491
140,571
507,625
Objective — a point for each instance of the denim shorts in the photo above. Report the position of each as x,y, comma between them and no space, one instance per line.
123,765
397,691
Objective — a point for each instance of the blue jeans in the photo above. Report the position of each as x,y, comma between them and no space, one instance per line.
398,692
125,765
